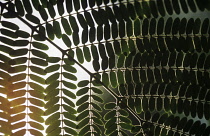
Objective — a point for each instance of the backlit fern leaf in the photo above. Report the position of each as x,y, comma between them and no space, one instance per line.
149,71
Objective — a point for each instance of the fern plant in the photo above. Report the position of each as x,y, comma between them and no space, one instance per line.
149,74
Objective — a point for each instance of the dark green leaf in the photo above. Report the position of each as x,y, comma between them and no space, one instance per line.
82,115
40,46
37,79
66,40
82,107
113,79
70,131
69,85
138,107
112,130
96,65
22,34
73,23
39,54
39,62
96,90
69,6
8,33
52,109
70,68
10,25
43,13
44,3
83,83
9,15
83,123
105,79
84,130
80,56
121,61
33,18
69,116
98,99
69,109
69,93
68,102
126,126
69,76
57,29
82,91
125,119
37,70
60,7
53,59
110,123
20,43
109,115
82,21
66,26
98,121
97,107
50,31
52,68
109,106
36,4
94,52
76,38
51,10
69,60
87,55
123,112
27,6
6,40
82,100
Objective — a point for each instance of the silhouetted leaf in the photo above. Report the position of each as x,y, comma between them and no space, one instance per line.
69,85
69,94
82,100
97,98
66,26
40,46
57,29
33,18
66,40
109,106
82,91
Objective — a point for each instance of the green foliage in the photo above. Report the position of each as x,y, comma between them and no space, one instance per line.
150,67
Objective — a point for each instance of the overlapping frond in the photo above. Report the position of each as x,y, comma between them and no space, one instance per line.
150,67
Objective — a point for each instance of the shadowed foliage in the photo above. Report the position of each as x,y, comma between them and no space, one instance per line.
147,61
